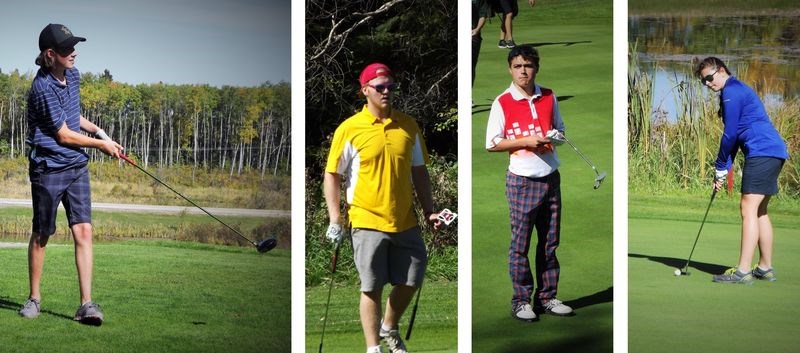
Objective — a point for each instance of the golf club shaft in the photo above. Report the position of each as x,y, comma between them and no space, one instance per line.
413,315
713,194
585,159
334,261
131,162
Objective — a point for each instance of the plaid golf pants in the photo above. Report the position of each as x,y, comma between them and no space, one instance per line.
534,203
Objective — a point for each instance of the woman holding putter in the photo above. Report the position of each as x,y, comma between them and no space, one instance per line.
746,126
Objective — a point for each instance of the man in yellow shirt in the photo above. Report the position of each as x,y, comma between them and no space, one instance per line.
381,157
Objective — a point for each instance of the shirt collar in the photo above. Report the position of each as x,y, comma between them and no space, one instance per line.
518,95
372,119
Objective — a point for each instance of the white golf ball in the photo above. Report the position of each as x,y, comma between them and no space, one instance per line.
677,272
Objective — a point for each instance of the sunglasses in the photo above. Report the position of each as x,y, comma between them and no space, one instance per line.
708,78
384,86
64,51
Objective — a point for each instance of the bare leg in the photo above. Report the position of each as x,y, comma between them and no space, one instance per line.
82,235
370,309
750,205
765,236
396,305
36,251
509,17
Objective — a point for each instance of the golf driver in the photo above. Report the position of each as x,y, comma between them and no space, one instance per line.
557,136
330,288
262,246
685,270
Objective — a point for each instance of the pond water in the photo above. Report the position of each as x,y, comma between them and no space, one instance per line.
762,51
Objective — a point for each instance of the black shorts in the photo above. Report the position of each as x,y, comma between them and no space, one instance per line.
48,189
760,175
505,6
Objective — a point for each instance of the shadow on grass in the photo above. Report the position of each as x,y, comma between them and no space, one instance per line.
14,306
566,44
481,108
712,269
582,343
603,296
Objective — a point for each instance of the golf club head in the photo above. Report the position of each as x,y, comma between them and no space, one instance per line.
266,245
599,180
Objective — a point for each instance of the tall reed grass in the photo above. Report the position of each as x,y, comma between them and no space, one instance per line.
666,155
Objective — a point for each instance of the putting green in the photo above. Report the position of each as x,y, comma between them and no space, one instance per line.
692,314
574,41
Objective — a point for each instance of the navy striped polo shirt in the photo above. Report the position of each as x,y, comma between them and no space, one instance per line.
50,105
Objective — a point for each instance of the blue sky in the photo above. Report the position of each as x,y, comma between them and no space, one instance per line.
231,42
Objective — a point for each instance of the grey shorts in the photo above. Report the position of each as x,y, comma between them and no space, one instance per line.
396,258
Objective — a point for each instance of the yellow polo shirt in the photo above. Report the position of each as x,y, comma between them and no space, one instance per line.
375,160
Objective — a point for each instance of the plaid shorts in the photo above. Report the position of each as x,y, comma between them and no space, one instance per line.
48,189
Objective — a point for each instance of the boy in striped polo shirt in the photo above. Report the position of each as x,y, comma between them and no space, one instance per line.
381,157
58,165
519,120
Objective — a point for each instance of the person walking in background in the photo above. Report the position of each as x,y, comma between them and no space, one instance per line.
746,126
381,157
508,9
480,11
519,121
58,165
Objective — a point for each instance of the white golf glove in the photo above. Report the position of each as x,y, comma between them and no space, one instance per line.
720,175
556,137
334,232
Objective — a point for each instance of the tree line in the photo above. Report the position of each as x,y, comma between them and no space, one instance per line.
230,128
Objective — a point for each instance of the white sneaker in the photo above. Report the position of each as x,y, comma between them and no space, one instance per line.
556,307
523,312
376,349
393,340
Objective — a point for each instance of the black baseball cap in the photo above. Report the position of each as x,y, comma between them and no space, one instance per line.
57,36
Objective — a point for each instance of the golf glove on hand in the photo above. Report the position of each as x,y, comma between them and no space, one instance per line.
720,175
556,137
334,232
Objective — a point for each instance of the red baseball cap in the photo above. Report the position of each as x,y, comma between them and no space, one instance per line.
372,71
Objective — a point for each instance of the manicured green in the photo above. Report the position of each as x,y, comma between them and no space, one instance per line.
157,297
690,313
574,40
435,326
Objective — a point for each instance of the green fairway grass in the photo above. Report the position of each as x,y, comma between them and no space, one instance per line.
575,43
434,327
690,313
156,296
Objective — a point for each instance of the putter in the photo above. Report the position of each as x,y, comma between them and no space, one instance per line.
600,176
262,246
686,268
330,289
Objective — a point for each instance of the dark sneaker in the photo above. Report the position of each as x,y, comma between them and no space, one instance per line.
393,341
556,307
30,310
90,314
523,312
510,44
733,275
501,44
764,275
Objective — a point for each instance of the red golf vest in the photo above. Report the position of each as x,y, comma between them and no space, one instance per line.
520,121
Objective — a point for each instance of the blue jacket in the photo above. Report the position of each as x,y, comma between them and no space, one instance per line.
747,126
